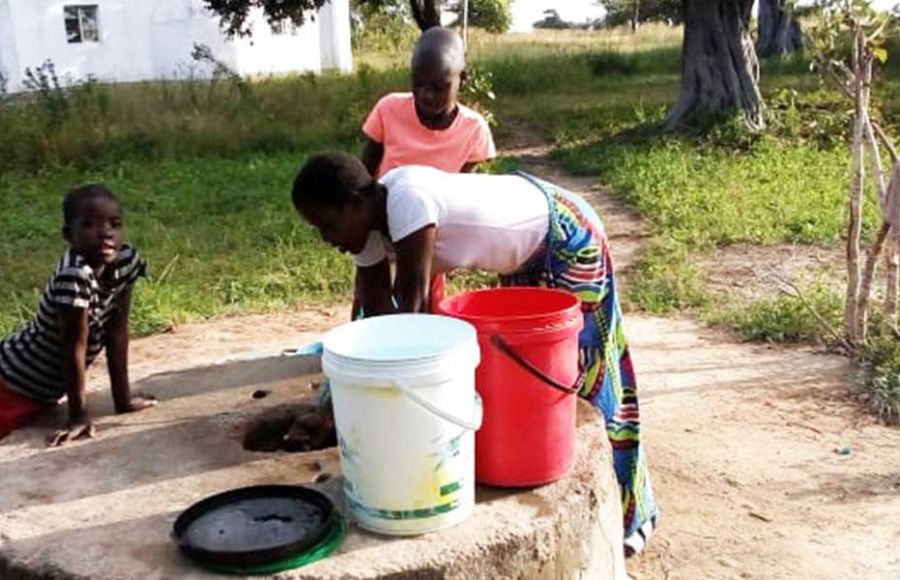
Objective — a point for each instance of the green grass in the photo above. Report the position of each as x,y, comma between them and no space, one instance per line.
783,318
220,234
92,125
715,187
876,382
204,169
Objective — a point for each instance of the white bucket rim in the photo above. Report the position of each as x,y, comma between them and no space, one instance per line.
457,335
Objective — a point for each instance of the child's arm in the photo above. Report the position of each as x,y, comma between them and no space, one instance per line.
373,153
117,358
375,288
73,329
414,255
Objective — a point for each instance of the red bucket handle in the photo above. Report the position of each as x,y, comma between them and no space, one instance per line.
509,351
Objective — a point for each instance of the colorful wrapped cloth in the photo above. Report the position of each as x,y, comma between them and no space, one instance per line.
577,259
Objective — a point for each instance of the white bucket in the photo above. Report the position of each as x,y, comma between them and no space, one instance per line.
403,388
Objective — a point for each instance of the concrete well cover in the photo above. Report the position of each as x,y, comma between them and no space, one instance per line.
103,509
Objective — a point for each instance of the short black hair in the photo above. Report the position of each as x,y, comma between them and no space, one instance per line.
331,179
75,199
439,47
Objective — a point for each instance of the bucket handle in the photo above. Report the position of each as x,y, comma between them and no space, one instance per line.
509,351
473,425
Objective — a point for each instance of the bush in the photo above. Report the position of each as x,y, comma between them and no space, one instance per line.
384,26
90,125
876,382
785,318
492,15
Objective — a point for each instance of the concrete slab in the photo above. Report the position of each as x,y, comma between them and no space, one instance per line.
103,509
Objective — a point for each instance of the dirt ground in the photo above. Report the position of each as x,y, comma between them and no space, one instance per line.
745,272
762,465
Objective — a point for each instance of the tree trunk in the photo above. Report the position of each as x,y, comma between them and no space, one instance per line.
892,275
892,258
853,323
426,13
779,34
719,68
636,16
865,290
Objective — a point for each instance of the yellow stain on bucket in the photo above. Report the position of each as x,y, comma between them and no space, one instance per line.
428,490
382,391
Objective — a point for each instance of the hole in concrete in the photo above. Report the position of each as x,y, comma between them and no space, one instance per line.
293,428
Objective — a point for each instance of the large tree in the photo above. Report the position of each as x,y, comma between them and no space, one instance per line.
719,68
426,13
234,13
779,32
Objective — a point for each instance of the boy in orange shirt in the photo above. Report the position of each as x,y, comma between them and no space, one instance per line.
428,126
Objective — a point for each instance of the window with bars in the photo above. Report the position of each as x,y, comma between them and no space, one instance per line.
283,27
81,23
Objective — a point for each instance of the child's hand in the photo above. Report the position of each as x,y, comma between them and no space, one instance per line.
139,402
75,430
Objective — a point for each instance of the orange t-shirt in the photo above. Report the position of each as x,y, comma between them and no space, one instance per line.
394,124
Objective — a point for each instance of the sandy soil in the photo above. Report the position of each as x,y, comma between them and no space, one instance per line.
745,272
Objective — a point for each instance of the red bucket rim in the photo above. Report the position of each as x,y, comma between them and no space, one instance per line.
445,306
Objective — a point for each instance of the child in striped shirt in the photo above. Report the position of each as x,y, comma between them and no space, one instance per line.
84,308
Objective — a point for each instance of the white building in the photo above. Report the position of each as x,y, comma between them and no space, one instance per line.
133,40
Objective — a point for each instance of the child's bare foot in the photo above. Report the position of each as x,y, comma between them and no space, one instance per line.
75,430
139,402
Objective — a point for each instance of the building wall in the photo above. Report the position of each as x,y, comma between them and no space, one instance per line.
9,61
334,23
153,39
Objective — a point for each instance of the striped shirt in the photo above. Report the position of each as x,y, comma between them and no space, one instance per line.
31,360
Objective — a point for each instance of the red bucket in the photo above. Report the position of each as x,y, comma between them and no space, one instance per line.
528,379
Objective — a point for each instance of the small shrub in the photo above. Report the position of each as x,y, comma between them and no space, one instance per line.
785,318
49,93
202,53
820,117
478,93
876,382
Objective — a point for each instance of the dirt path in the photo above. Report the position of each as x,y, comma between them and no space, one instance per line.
742,439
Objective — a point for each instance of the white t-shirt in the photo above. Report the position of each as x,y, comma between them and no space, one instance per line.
485,222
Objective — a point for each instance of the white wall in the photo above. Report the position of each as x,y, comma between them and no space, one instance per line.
152,39
122,53
334,19
9,61
266,52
